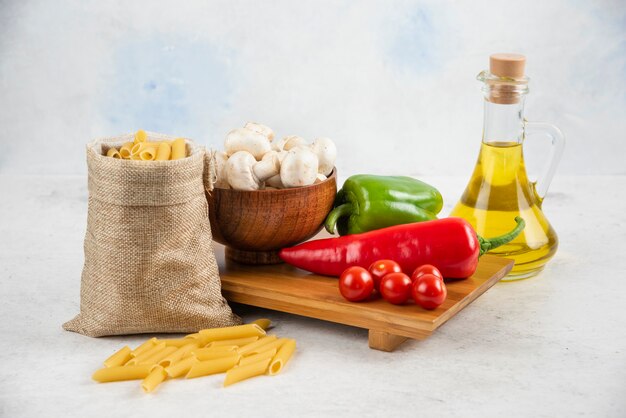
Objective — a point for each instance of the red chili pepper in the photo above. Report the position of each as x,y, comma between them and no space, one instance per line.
450,244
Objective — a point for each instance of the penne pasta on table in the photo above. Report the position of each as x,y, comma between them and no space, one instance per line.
242,352
269,354
144,347
229,333
155,378
272,345
214,352
119,358
146,354
256,344
234,342
282,356
178,354
218,365
263,323
237,374
159,355
181,367
178,342
118,373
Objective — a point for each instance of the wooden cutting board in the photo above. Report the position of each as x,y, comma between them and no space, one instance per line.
287,289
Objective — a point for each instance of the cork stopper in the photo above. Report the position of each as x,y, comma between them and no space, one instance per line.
507,65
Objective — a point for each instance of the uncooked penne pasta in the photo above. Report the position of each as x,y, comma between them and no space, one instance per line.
179,149
256,344
282,356
274,344
237,374
148,154
118,373
146,151
229,333
263,323
219,365
179,342
160,355
163,151
155,378
126,150
146,354
258,357
140,136
202,341
237,342
178,354
181,367
119,358
213,354
144,347
114,153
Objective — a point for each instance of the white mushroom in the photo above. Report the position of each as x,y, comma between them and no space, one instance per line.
292,142
279,144
244,139
220,167
320,178
245,173
261,129
271,154
275,182
299,168
267,168
326,152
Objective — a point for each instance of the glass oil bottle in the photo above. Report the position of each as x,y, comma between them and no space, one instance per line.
499,189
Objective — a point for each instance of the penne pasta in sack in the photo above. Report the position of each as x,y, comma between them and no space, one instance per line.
135,281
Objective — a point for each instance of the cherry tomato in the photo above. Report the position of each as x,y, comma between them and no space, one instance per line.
429,291
396,288
381,268
356,284
425,269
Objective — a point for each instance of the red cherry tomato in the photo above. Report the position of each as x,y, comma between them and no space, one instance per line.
429,291
356,284
396,288
425,269
381,268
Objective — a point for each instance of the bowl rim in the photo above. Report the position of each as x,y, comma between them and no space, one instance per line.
333,176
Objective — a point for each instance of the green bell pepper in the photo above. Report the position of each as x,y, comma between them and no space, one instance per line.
367,202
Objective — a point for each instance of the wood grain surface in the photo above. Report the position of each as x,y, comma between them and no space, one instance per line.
287,289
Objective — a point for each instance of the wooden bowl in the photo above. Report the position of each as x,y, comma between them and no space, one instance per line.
254,225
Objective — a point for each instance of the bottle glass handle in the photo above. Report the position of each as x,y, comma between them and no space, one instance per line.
558,144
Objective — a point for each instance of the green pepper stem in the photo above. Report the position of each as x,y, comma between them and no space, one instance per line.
334,215
488,244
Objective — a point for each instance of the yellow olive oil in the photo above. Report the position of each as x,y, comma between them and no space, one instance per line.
497,192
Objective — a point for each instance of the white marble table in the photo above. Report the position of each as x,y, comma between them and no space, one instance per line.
553,346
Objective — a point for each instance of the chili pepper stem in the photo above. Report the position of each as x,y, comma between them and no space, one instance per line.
488,244
334,215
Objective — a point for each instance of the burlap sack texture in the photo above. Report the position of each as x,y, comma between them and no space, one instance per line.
149,260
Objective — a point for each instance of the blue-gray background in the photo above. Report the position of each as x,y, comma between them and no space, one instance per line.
393,82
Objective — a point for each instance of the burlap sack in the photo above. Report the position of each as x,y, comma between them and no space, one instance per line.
149,261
